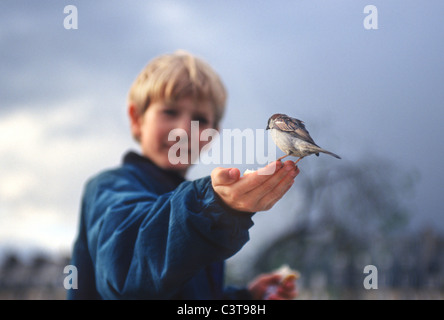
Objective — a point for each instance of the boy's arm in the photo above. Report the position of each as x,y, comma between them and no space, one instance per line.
147,246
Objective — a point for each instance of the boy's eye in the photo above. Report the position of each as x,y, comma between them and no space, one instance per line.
170,112
202,120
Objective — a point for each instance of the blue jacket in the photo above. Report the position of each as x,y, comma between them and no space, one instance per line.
146,233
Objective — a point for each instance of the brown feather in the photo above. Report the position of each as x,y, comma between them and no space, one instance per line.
295,126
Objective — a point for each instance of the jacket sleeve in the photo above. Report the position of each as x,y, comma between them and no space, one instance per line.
146,246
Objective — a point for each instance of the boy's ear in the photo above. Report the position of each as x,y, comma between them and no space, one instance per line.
135,121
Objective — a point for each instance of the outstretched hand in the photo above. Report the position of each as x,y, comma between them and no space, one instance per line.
257,191
271,287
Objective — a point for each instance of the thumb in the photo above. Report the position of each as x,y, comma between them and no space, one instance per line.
224,176
272,278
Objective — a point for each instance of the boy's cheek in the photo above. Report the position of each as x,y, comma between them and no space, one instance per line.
202,144
207,136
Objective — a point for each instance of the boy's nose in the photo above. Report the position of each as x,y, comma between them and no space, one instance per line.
185,124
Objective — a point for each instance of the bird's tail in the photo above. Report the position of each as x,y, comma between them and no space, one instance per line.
330,153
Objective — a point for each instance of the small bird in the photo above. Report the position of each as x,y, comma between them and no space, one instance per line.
291,137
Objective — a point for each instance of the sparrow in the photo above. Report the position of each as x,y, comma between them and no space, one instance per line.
290,135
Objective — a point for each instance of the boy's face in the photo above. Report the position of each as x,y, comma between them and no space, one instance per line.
160,118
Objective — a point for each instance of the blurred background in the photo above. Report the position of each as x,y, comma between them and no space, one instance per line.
373,96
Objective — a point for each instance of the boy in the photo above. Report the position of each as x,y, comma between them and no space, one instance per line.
147,233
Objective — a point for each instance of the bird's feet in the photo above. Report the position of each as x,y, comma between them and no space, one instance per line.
279,159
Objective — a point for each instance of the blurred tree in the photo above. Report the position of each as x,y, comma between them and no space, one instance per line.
352,213
11,261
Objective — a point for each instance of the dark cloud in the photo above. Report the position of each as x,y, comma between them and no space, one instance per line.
373,92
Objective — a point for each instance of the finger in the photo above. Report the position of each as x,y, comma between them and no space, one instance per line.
259,199
275,187
287,288
268,202
265,195
224,176
289,283
271,279
276,177
270,169
287,293
270,199
253,180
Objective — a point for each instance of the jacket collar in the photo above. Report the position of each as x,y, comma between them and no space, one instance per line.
148,167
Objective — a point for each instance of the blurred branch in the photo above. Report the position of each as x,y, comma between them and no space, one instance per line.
354,214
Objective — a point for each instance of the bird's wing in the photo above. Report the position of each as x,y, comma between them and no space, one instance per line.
295,127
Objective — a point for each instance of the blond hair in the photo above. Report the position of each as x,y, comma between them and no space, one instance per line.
172,76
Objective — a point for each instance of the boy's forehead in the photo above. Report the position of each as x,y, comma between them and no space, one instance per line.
192,104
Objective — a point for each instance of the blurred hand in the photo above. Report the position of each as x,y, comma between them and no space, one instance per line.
257,191
259,288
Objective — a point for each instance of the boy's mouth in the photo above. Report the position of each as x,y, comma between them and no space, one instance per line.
178,146
184,148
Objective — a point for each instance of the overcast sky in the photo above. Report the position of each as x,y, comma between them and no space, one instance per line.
362,93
